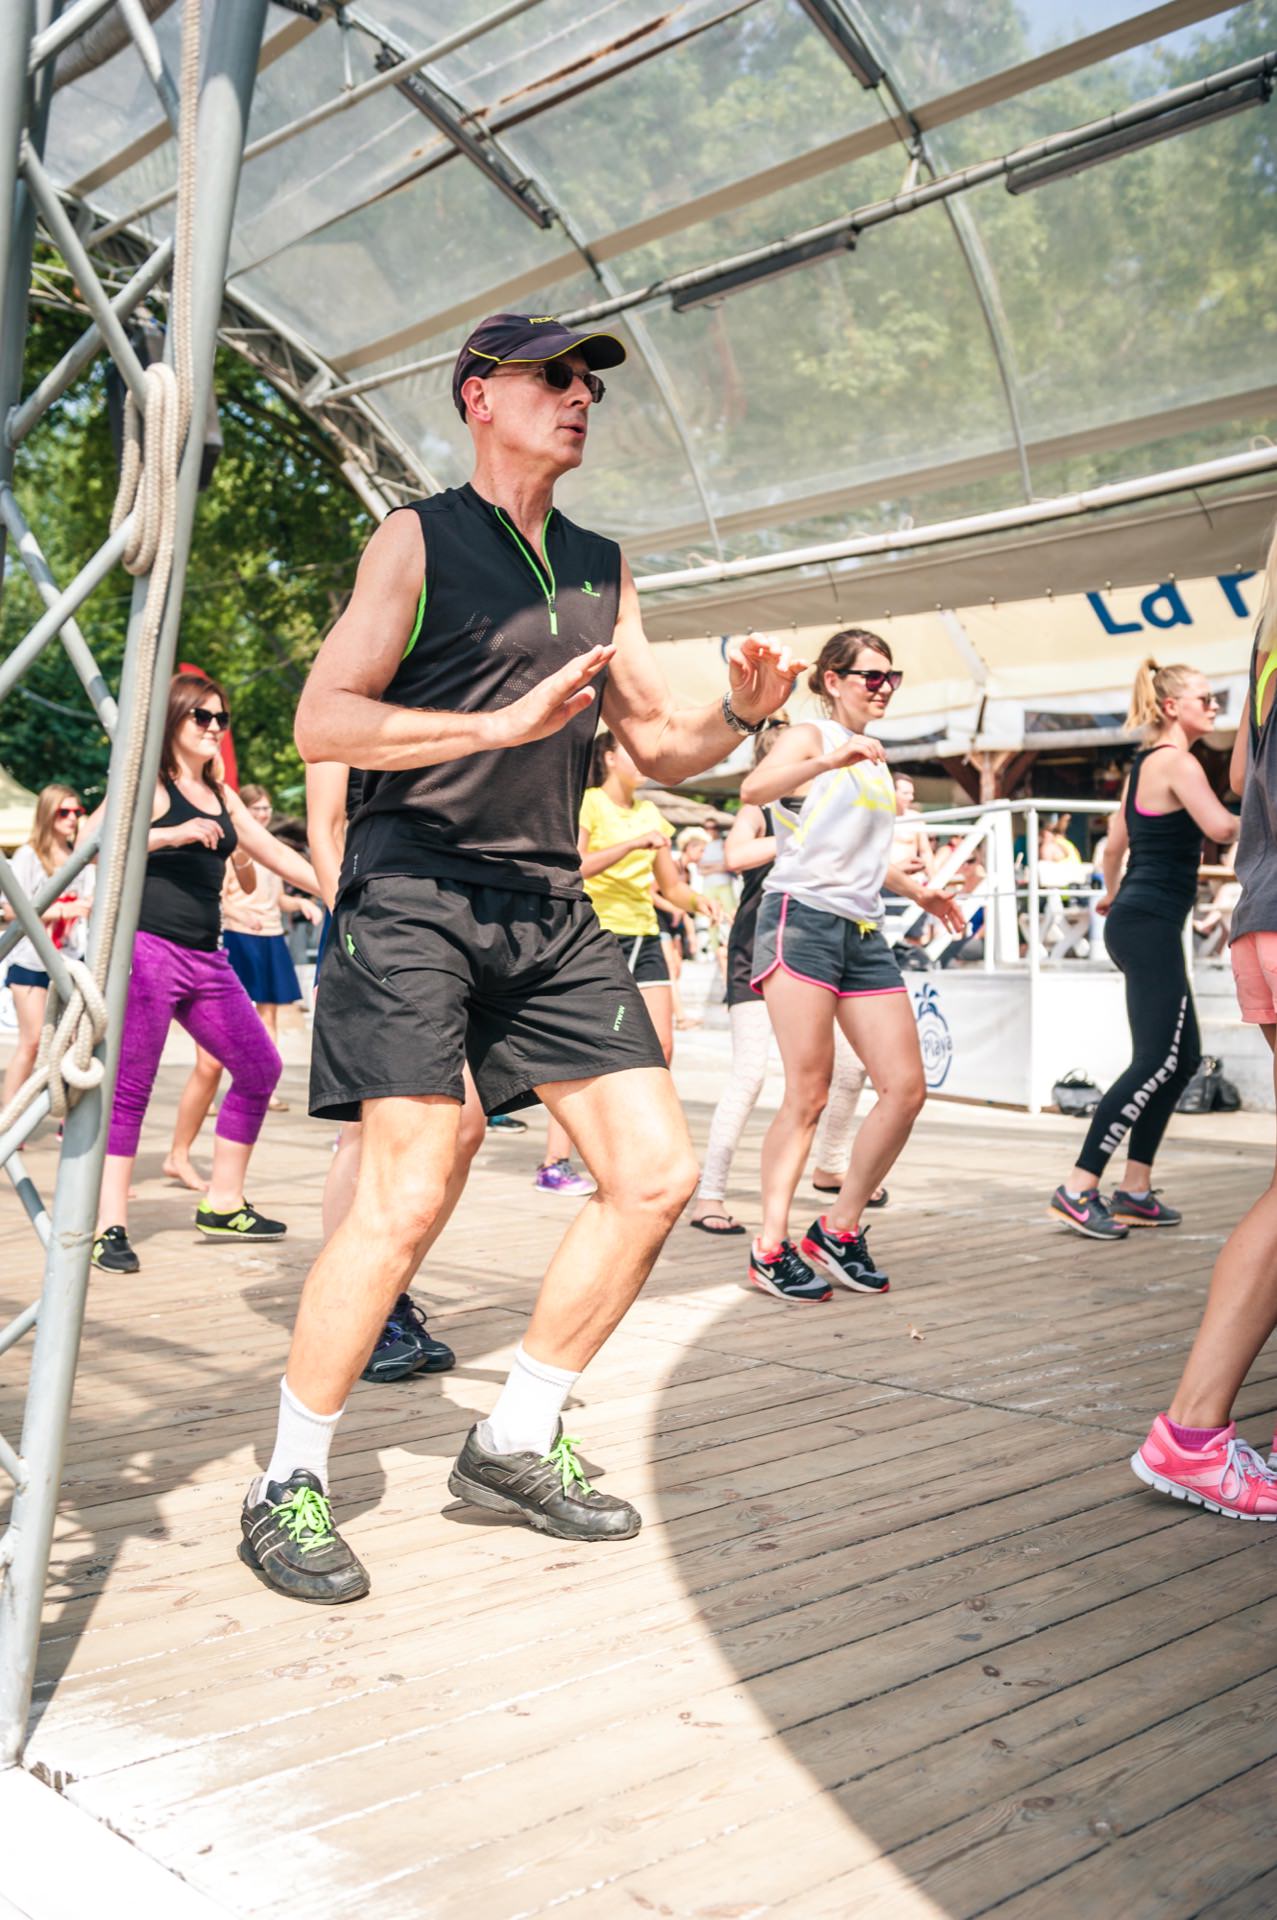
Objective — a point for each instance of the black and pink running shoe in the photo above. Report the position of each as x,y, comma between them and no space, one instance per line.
785,1273
1086,1213
844,1256
1142,1210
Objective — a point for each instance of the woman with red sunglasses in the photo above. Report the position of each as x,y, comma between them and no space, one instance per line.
181,972
820,959
58,813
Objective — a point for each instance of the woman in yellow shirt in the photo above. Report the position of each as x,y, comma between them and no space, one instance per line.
624,847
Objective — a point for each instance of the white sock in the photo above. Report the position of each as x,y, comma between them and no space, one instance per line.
527,1412
301,1440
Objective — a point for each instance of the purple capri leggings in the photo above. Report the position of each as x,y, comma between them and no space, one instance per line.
199,991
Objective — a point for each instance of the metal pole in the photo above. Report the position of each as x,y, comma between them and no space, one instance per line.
230,66
1035,958
17,216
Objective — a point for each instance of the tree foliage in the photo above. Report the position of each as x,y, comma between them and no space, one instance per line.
277,536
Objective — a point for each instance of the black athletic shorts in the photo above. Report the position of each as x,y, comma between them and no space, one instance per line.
644,957
421,975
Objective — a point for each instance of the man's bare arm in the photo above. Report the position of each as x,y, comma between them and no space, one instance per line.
669,743
341,715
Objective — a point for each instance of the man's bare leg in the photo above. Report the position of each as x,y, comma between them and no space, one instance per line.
633,1137
406,1164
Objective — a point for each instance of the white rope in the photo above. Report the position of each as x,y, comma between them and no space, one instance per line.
65,1062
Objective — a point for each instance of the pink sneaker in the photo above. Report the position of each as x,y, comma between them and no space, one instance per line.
1227,1476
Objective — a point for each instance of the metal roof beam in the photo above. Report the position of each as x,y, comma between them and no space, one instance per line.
991,91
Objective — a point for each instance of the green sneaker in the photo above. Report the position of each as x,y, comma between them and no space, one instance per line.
547,1491
242,1223
112,1252
291,1543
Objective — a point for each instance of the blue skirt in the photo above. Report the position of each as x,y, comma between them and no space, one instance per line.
265,967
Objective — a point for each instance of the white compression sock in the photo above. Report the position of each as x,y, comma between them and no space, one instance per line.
302,1439
527,1412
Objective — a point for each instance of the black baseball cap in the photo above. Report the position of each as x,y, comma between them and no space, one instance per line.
505,338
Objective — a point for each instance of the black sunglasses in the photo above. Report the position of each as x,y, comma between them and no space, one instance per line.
875,678
70,813
206,717
559,377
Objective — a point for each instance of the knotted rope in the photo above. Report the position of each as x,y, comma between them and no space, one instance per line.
153,442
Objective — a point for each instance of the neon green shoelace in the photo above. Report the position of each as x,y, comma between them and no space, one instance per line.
563,1456
306,1512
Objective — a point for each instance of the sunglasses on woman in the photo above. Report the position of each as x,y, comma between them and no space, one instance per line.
559,378
876,679
206,717
70,813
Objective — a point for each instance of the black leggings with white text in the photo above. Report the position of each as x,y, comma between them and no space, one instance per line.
1164,1036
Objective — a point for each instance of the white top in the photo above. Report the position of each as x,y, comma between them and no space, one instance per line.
28,871
834,853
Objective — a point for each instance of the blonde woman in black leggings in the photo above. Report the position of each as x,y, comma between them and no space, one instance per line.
1167,805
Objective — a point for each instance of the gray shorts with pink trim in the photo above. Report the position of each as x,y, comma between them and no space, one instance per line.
849,957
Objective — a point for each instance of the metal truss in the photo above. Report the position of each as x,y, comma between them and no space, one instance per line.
87,998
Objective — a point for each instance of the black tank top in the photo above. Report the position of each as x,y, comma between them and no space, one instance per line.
1166,851
745,924
494,621
182,892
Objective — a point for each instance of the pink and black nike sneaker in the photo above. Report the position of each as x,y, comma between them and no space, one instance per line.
1086,1213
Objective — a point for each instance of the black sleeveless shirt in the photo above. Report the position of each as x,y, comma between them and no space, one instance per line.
1166,851
493,622
182,892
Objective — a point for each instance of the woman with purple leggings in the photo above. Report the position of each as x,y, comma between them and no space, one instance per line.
181,972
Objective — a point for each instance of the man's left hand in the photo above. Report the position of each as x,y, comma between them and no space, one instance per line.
762,673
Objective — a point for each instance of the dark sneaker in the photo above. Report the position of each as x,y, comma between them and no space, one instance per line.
1129,1210
435,1357
112,1252
787,1275
245,1223
1087,1214
396,1356
550,1492
845,1256
290,1540
506,1123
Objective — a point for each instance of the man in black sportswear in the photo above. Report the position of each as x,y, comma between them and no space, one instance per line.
485,635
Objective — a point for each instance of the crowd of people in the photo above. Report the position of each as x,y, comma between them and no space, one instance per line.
502,913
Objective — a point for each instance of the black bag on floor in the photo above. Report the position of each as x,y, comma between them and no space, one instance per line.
1209,1090
1076,1093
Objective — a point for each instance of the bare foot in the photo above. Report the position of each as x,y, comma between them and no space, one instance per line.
178,1167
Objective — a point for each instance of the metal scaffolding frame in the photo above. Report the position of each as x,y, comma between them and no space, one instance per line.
33,36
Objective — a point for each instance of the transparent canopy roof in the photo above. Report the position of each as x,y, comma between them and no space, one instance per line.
962,356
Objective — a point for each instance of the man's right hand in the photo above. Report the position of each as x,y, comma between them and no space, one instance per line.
551,704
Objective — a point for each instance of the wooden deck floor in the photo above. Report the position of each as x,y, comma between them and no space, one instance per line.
901,1636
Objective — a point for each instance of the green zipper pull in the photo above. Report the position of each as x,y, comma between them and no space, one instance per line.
554,618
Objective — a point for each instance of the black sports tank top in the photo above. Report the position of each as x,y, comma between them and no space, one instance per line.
751,892
182,892
494,620
1166,851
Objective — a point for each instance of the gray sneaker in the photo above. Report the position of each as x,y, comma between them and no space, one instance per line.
548,1491
1086,1213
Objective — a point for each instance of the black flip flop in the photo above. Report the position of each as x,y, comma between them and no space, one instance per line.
878,1199
718,1233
